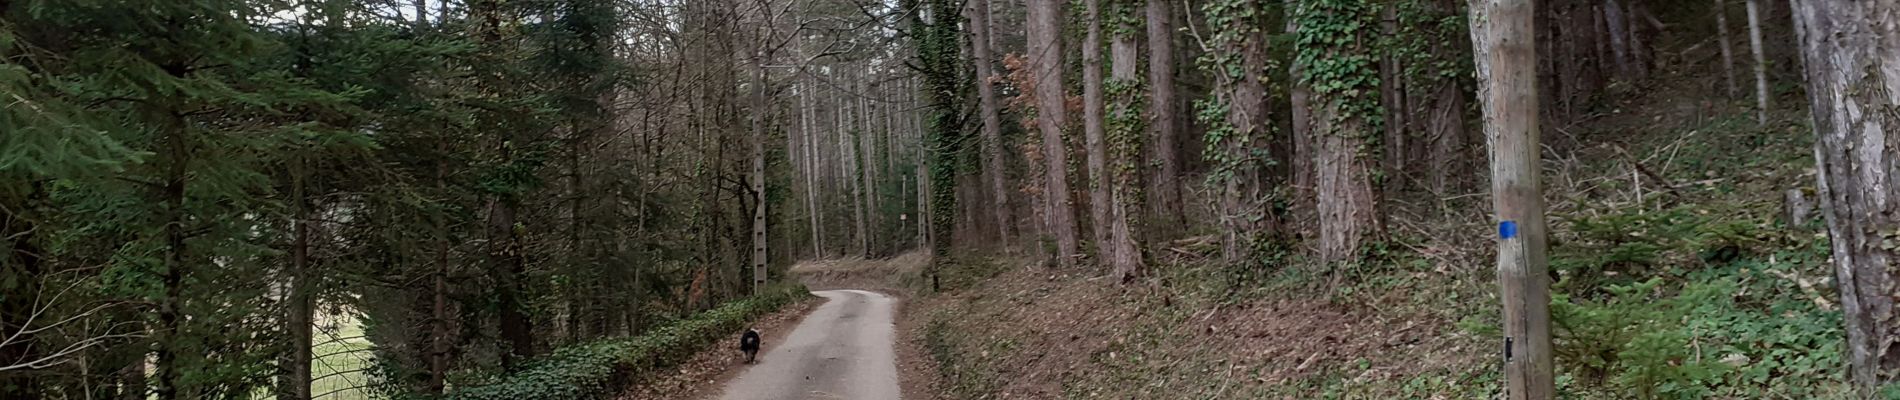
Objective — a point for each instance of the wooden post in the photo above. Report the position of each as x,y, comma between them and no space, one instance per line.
1502,34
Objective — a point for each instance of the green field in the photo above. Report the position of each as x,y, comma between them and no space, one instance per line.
340,360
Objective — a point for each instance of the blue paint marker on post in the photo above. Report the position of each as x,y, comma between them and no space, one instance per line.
1507,230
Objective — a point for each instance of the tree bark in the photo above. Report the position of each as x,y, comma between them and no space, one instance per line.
1097,148
294,380
760,107
1124,151
1045,55
1448,136
1615,19
1243,218
1299,101
439,340
1851,51
816,218
1392,97
1761,63
991,116
1501,32
1348,213
504,244
1163,106
1728,51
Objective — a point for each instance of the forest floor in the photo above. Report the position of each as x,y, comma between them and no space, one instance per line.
1031,333
1678,271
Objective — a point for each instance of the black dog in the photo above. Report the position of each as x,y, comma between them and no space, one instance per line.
749,343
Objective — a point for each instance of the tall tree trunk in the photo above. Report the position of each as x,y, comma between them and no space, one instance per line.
1761,63
1392,97
504,244
1123,146
1348,213
991,116
1092,121
1448,136
812,150
1045,55
1501,32
760,109
1163,106
848,141
867,164
1851,51
1244,218
439,340
1299,102
171,313
1728,48
294,380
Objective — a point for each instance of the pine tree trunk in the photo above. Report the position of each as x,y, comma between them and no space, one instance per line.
991,117
1163,106
294,380
170,306
504,246
1045,56
439,340
1092,109
1851,51
1761,63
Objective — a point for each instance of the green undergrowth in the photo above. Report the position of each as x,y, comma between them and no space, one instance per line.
1700,291
599,369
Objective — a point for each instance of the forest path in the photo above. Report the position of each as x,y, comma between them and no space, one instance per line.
841,351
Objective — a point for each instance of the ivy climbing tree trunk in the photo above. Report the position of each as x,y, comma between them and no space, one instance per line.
1045,58
940,61
1504,47
1126,126
1339,64
1238,122
1851,54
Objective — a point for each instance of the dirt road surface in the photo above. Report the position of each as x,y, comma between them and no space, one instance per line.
841,351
